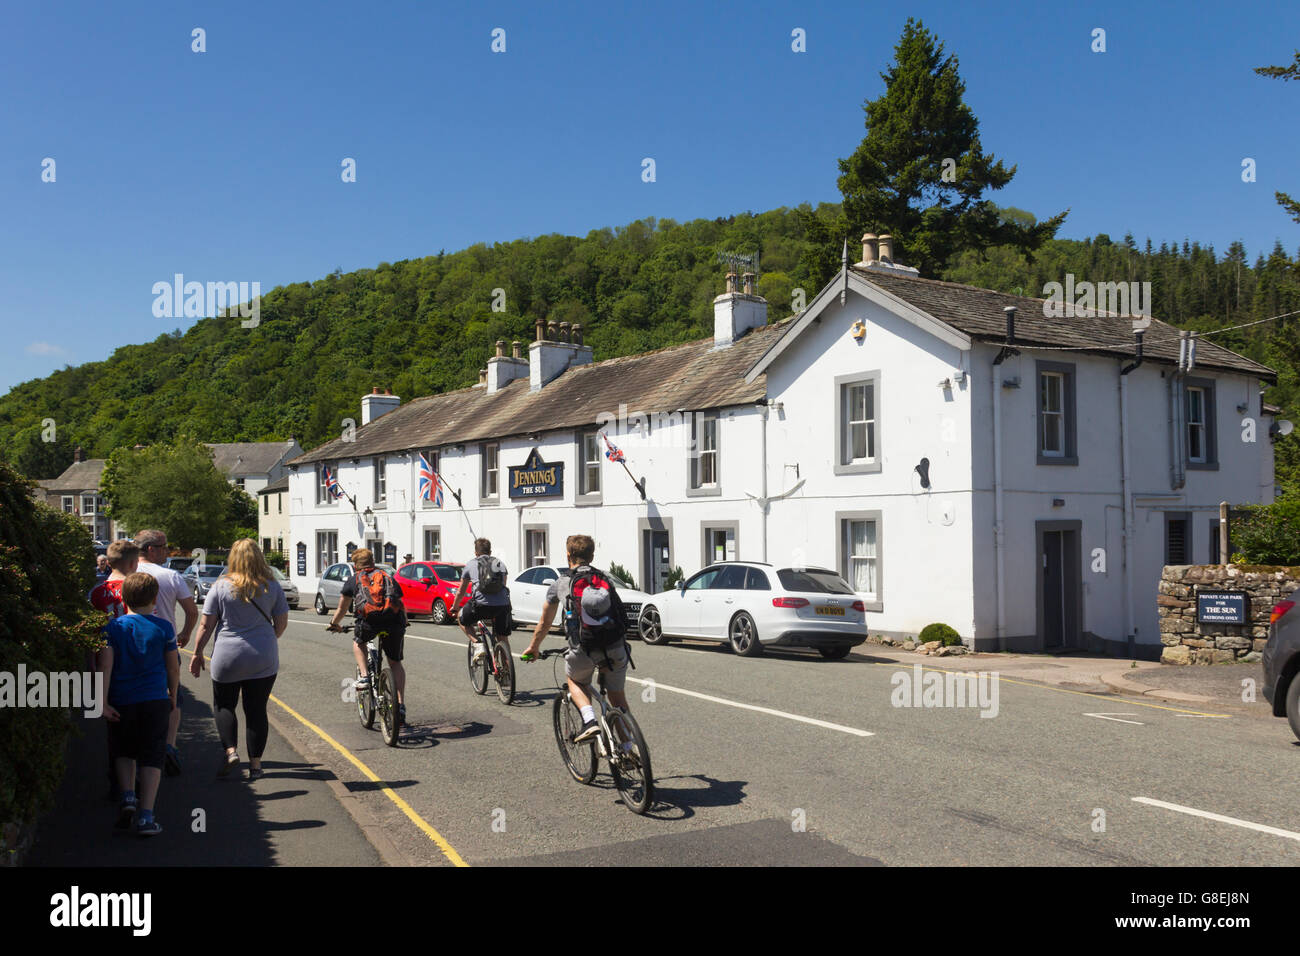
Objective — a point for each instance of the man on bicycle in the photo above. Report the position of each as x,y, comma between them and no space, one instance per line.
580,664
490,600
376,600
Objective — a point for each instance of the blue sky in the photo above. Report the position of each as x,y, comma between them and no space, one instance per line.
225,165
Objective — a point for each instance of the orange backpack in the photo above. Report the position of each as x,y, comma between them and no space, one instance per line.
376,594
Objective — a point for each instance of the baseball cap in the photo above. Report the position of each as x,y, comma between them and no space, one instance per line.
595,606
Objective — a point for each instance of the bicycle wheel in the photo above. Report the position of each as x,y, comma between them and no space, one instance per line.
365,705
505,674
630,763
478,673
579,758
389,719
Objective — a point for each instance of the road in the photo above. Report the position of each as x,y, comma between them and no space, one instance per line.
789,759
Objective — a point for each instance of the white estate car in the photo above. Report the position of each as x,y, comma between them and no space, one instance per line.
751,606
528,595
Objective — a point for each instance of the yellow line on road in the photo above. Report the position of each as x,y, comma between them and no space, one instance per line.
447,850
1060,690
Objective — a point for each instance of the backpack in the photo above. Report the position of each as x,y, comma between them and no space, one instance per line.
587,636
377,594
491,574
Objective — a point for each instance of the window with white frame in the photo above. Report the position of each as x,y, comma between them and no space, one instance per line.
859,418
1197,443
88,504
704,450
327,550
239,483
489,459
1051,414
535,547
322,489
434,459
589,466
381,479
860,555
69,504
719,545
433,544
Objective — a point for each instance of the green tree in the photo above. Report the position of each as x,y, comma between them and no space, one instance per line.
1284,73
921,172
175,488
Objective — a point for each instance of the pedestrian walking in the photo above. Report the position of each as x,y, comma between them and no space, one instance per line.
245,614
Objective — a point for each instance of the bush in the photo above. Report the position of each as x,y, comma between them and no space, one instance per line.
939,632
674,576
46,568
622,573
277,559
1268,534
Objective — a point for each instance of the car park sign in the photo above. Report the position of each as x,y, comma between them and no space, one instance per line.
1222,607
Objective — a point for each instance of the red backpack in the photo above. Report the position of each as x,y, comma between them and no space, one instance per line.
377,594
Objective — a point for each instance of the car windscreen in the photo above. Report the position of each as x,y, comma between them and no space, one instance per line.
212,571
446,573
813,580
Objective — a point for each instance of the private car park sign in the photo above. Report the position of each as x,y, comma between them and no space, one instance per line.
1222,607
536,478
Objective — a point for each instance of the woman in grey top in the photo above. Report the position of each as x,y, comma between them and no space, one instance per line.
246,612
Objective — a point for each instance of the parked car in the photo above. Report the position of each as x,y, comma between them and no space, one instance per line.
330,587
429,587
200,578
529,587
751,606
179,563
290,589
1281,660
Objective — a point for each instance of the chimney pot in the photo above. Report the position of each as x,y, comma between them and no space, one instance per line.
374,390
731,282
577,333
886,247
564,331
482,376
501,347
749,283
541,329
552,332
869,253
515,349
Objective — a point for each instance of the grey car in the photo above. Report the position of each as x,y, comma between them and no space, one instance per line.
200,578
1281,660
330,588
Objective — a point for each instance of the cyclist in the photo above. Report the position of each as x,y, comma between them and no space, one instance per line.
490,599
593,610
376,600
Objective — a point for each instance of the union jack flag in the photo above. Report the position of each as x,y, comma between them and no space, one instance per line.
430,483
332,484
612,451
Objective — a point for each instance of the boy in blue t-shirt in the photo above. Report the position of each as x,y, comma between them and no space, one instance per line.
142,672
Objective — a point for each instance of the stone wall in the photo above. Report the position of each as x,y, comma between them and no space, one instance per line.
1187,642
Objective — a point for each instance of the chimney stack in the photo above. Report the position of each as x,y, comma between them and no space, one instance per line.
377,403
736,312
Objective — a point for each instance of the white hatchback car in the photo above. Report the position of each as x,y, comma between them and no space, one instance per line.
751,606
529,587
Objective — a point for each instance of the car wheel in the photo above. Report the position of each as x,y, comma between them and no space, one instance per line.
837,653
439,612
1293,705
742,635
651,627
320,604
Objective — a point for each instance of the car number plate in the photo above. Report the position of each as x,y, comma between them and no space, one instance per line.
836,611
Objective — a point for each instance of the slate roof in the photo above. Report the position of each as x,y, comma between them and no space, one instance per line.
79,476
693,376
978,313
280,484
248,457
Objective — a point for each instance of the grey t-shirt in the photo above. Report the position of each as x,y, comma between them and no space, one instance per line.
245,644
500,599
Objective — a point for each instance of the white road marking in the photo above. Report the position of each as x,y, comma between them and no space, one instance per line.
716,700
1192,811
1116,717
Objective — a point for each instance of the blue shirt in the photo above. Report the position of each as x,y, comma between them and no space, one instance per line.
140,643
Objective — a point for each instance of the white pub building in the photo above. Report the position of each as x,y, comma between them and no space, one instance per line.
954,453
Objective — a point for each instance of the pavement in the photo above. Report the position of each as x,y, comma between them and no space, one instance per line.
1218,685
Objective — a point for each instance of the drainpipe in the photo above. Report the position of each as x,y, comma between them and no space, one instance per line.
999,531
1129,519
763,411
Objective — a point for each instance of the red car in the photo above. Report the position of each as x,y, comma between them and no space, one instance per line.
428,587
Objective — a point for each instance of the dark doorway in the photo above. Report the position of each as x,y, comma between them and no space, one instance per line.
1060,584
655,559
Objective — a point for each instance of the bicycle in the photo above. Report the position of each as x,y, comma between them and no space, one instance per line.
619,741
496,663
380,698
